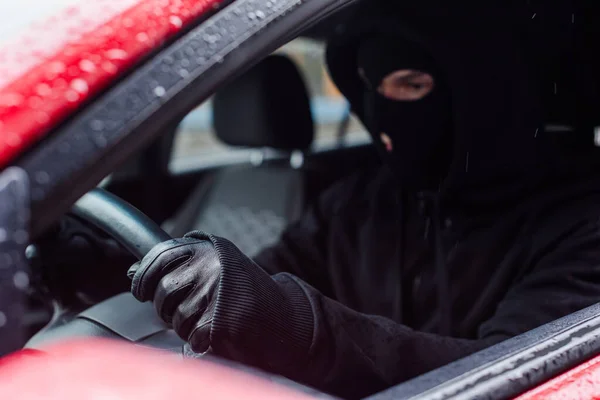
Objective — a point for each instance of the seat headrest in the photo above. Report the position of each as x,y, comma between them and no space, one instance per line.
268,106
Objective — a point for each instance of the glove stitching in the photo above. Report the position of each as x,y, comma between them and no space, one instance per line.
146,268
171,266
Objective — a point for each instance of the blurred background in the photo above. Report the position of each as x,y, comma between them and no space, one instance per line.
195,140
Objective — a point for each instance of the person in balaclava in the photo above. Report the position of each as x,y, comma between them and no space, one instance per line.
481,223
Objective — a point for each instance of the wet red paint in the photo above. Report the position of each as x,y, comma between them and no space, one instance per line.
97,369
581,383
96,42
20,356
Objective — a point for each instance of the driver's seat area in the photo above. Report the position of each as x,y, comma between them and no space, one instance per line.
267,109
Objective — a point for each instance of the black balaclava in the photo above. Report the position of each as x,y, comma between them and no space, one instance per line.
523,84
420,130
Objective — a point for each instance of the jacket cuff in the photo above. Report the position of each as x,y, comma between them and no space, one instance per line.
264,321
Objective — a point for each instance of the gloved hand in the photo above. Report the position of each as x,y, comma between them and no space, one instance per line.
219,300
77,257
181,277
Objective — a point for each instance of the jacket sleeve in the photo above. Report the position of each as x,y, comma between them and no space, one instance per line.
350,354
360,354
303,248
301,251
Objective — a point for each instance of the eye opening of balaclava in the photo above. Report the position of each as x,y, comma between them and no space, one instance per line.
414,137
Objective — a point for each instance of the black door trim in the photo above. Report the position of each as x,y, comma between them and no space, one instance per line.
511,367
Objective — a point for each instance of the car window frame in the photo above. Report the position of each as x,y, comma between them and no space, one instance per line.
77,156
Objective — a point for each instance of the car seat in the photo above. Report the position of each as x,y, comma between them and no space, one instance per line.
266,108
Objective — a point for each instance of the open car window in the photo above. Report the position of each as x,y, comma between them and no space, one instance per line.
197,146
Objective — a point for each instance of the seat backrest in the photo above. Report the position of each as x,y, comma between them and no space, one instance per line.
268,107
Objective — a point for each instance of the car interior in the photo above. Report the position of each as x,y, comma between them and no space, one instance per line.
244,165
266,114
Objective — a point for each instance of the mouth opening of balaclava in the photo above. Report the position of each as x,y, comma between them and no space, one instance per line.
414,137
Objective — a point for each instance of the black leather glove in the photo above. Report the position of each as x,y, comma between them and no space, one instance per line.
181,277
77,257
218,299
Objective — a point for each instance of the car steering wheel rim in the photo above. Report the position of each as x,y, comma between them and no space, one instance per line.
120,220
123,317
120,317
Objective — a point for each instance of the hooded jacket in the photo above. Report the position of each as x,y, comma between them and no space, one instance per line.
399,283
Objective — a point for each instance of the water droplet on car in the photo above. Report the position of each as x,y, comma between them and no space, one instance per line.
142,37
3,319
43,89
72,96
176,21
87,66
42,117
597,136
21,280
100,141
97,125
42,177
159,91
57,67
80,86
109,67
116,54
12,139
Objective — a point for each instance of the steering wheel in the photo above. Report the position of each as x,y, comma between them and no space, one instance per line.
121,317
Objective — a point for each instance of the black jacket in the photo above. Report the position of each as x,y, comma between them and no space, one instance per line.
365,259
380,284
